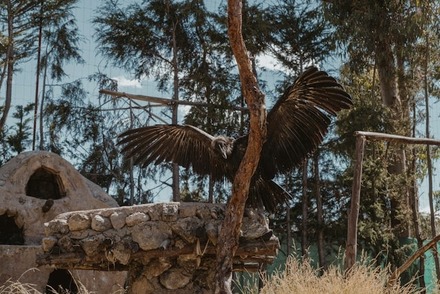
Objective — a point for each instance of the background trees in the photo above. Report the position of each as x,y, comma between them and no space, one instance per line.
385,53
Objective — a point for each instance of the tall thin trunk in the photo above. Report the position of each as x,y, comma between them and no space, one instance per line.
42,102
131,158
3,73
211,190
174,117
37,75
10,68
353,215
415,207
289,232
305,212
429,161
318,196
387,72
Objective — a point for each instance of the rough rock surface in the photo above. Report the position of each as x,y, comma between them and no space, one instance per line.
166,247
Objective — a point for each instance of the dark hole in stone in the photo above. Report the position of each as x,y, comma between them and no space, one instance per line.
45,184
10,233
61,282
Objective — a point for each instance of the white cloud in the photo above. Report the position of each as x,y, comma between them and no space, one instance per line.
269,62
124,82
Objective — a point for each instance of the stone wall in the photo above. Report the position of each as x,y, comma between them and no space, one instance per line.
166,247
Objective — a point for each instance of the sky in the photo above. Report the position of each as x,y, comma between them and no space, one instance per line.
85,12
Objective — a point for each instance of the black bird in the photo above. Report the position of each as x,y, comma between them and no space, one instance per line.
296,126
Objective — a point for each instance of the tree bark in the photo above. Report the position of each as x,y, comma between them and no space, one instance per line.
230,231
351,247
37,75
414,202
305,212
175,166
289,231
318,196
10,66
429,162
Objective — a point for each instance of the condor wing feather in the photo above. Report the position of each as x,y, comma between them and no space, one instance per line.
184,145
299,120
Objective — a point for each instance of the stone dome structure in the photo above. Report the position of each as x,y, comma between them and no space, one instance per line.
34,188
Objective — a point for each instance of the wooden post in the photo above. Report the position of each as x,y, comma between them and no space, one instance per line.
351,247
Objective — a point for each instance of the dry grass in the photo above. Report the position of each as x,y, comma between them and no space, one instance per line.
18,287
11,287
300,277
15,287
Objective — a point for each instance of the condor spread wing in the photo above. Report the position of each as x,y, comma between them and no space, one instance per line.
185,145
300,119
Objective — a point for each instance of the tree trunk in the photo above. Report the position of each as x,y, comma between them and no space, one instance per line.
414,202
387,72
37,75
230,231
321,254
289,231
10,67
175,167
211,190
43,96
305,212
429,164
353,215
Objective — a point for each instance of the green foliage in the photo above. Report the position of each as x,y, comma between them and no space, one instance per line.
17,138
299,34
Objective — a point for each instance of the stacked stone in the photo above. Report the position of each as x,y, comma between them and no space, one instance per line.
172,244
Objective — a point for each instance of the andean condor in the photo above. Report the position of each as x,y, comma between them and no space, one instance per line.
296,126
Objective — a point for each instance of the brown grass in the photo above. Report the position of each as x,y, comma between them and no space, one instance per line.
300,277
18,287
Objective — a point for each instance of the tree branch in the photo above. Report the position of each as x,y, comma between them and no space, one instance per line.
228,239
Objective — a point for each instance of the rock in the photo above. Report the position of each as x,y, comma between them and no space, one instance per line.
187,209
156,267
156,212
48,243
189,262
254,225
189,229
203,212
174,279
217,212
118,220
59,226
170,212
119,253
78,235
150,235
142,286
91,244
117,235
65,244
100,223
212,231
79,222
136,218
